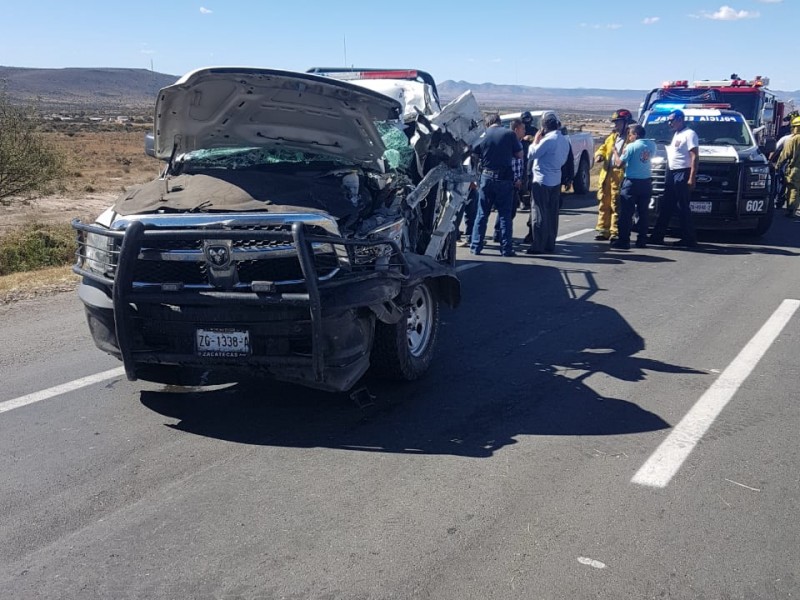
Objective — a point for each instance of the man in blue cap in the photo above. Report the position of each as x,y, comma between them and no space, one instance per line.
682,158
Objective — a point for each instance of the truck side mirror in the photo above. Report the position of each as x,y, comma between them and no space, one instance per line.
769,146
150,144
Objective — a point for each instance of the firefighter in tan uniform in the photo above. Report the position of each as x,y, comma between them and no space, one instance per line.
790,156
610,176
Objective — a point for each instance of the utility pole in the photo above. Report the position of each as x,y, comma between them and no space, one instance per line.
344,40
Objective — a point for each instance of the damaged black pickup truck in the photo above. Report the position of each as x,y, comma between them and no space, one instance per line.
302,230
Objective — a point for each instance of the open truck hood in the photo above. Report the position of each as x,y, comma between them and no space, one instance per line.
223,107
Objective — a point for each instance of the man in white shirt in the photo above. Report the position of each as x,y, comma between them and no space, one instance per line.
682,159
546,155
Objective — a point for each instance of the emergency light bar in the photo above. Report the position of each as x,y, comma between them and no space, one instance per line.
757,82
375,75
670,106
680,83
357,73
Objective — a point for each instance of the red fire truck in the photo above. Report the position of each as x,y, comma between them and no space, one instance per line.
760,106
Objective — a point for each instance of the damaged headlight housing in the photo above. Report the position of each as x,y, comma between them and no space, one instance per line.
380,253
758,177
98,254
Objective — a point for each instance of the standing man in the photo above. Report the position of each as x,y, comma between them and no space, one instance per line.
636,189
527,139
547,154
517,166
610,176
497,149
682,158
789,159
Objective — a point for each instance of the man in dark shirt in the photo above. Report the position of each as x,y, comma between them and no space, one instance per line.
530,132
496,149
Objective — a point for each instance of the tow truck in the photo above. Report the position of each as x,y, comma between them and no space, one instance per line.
734,178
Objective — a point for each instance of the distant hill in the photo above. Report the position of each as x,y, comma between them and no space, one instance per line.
82,89
520,97
511,97
125,90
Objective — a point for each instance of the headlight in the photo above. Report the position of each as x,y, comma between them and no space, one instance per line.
759,178
390,232
98,253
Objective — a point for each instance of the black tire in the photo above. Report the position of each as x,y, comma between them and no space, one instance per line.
580,184
764,223
403,351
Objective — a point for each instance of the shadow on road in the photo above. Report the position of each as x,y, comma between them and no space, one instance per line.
513,360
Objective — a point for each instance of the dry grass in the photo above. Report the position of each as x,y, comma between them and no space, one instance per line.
101,164
104,161
22,286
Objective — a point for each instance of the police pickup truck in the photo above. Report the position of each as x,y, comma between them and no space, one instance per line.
733,178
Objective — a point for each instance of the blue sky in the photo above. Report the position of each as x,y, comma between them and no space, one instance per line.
622,45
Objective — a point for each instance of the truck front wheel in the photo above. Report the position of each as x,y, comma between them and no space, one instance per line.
764,223
581,182
404,350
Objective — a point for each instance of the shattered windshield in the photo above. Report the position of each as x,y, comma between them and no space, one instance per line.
398,153
248,158
712,130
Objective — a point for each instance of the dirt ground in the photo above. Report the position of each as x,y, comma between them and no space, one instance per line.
101,164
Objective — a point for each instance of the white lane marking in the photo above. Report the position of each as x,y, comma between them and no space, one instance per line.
567,236
60,389
468,266
675,449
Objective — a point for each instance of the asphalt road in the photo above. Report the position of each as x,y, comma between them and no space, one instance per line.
597,424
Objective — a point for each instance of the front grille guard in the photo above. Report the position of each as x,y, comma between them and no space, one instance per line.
124,294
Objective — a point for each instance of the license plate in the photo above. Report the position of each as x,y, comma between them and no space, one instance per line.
700,207
222,342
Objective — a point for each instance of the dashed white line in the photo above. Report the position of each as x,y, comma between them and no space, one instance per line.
665,462
468,266
60,389
567,236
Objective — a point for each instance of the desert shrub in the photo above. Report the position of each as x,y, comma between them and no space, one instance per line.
35,246
28,162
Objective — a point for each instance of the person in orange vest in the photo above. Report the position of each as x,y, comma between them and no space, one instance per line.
610,176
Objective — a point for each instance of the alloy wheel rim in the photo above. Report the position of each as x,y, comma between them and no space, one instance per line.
420,320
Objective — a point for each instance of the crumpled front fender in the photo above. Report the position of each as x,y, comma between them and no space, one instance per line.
442,278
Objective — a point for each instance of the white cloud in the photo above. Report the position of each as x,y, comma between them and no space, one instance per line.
726,13
205,11
651,20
